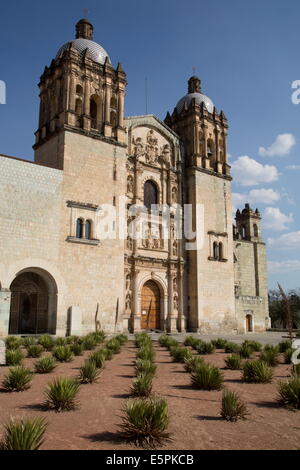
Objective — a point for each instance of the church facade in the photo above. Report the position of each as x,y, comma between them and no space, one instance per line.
125,224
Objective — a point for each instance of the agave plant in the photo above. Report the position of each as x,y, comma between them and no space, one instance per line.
45,365
180,354
204,347
12,342
114,346
233,362
145,421
89,372
61,341
232,348
219,343
207,377
47,342
166,341
284,345
98,358
61,394
76,348
142,386
270,357
35,350
232,407
89,343
271,347
18,379
13,357
63,353
254,345
192,363
122,339
144,366
28,341
146,353
288,355
289,393
257,372
107,353
25,434
190,341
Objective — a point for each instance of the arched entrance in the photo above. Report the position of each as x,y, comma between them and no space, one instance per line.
33,303
249,323
151,308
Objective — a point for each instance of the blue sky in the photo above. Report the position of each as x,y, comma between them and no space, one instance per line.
246,54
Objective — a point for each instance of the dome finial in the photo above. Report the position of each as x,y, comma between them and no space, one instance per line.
194,85
84,29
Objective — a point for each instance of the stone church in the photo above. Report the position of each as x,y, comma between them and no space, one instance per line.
68,266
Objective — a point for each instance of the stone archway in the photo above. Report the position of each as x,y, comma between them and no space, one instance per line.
33,303
151,306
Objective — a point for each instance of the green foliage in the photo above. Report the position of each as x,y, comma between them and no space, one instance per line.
108,354
232,407
28,341
114,346
204,347
45,365
245,351
289,393
98,357
146,353
166,341
18,379
233,362
232,348
180,354
89,372
190,341
13,357
142,386
61,394
145,421
219,343
47,342
63,353
288,355
207,377
284,346
61,342
271,347
254,345
122,339
191,363
144,366
88,343
25,434
142,339
257,372
35,350
76,348
12,342
270,357
296,370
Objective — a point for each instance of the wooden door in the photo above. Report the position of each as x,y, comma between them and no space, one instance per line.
150,318
249,323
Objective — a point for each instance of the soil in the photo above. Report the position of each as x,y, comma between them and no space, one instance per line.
195,421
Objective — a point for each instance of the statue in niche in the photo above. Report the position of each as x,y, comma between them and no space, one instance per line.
129,243
128,303
130,185
165,153
176,302
174,195
128,281
175,284
139,150
175,248
151,148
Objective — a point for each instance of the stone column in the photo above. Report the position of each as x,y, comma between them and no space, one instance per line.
172,319
121,136
107,125
86,111
206,160
136,304
5,297
219,163
181,315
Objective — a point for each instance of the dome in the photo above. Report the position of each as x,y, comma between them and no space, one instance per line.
97,52
199,97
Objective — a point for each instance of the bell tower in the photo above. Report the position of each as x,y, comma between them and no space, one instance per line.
80,91
207,189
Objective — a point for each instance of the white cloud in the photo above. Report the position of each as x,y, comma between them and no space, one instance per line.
248,172
255,196
293,167
283,266
288,241
274,219
282,146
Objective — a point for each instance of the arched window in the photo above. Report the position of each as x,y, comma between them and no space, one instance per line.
88,230
93,113
221,253
216,250
210,148
79,228
113,103
78,107
255,230
150,194
113,118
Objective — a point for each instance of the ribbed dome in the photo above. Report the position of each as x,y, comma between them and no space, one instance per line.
199,97
97,52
